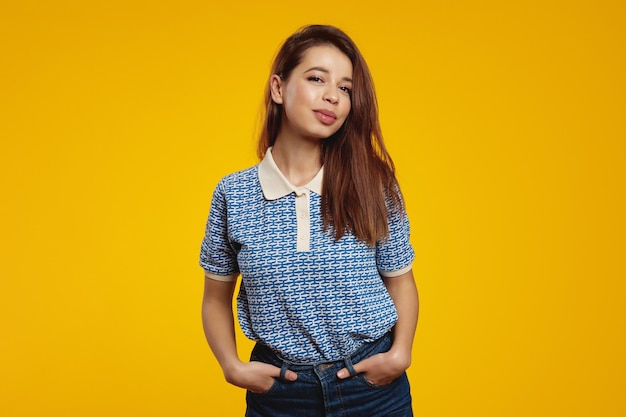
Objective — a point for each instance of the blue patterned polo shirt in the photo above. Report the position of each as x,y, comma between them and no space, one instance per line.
308,297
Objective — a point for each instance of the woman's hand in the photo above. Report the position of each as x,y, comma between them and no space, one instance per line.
218,321
383,368
380,369
257,377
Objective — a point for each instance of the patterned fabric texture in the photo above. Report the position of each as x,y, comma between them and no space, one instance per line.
308,306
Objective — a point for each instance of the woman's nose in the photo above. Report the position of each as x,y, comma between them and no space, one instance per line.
331,97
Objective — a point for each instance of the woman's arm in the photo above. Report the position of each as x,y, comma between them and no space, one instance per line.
218,321
404,294
383,368
219,328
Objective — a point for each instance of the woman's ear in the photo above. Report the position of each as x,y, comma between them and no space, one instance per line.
276,89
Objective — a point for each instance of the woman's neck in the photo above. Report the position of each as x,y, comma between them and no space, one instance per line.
299,161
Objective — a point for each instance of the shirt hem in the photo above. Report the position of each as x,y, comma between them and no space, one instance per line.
392,274
223,278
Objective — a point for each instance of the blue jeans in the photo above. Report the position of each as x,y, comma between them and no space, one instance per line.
319,393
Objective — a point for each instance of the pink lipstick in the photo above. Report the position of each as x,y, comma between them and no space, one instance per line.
325,116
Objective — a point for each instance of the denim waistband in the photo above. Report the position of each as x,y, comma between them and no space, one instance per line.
365,351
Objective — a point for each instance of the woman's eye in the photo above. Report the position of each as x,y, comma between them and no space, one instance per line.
346,90
315,79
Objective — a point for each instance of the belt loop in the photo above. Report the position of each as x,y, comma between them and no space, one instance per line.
349,366
283,371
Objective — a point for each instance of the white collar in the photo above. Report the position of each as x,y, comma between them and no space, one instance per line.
275,185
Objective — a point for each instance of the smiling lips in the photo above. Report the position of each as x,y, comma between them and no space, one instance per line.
327,117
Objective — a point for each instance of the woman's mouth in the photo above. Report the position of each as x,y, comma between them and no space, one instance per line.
327,117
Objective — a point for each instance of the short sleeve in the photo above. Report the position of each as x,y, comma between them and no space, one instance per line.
217,256
394,254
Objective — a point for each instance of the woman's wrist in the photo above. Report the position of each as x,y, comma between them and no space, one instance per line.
232,370
401,356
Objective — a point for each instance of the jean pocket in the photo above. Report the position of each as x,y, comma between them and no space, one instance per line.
370,384
270,390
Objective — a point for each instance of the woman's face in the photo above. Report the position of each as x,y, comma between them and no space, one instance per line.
316,96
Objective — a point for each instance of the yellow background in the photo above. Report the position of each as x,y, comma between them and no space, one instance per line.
507,124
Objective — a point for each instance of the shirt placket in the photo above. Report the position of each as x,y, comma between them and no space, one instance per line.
303,219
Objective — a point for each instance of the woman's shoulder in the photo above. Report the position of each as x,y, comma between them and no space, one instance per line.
244,178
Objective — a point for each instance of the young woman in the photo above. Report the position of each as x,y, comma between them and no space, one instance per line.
319,234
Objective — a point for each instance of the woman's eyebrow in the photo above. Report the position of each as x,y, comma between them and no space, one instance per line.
324,70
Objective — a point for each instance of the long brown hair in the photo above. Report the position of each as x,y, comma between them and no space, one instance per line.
359,185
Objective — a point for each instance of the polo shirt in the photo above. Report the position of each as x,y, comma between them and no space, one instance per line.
308,297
